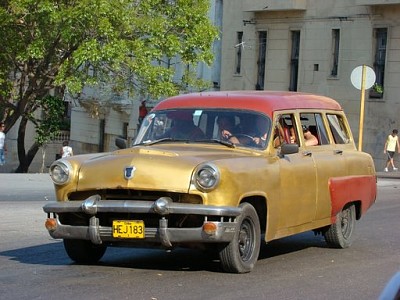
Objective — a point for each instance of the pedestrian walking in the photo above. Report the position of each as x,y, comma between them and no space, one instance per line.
142,112
3,147
392,142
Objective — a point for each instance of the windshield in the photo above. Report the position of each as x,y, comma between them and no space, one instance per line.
231,127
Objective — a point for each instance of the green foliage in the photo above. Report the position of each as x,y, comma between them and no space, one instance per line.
378,88
129,44
51,121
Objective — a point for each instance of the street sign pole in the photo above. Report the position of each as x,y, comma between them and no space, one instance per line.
362,78
362,105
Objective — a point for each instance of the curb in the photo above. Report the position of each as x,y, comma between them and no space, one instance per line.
392,175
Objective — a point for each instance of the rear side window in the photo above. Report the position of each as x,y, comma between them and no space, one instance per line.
284,131
338,129
314,123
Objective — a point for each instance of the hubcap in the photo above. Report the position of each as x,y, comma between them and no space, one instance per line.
246,240
345,223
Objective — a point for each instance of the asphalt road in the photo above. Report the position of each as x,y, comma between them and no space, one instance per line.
34,266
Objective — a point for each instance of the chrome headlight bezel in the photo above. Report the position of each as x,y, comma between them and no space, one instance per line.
206,177
60,172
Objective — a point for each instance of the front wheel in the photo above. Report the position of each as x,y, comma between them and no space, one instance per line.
241,254
339,234
84,252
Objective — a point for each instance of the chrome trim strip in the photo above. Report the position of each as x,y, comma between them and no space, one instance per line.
164,236
91,206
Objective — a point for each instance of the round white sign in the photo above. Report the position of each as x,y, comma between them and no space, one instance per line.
356,77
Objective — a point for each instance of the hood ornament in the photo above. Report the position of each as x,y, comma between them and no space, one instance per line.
129,172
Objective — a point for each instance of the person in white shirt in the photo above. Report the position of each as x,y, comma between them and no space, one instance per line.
390,148
3,147
66,150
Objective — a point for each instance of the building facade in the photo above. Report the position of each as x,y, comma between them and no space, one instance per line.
313,46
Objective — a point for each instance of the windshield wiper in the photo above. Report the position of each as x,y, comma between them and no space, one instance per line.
225,143
166,139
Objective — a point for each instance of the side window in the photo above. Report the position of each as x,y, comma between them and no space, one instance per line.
314,130
321,130
284,130
338,129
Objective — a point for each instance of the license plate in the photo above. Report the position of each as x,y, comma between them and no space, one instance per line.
128,229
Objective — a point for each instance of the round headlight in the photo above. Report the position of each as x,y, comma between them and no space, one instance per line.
206,177
60,172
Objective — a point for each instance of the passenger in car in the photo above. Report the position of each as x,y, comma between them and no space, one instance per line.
310,139
183,126
284,133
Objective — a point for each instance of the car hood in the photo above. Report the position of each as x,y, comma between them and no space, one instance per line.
161,167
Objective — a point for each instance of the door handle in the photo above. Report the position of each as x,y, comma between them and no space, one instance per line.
307,153
338,152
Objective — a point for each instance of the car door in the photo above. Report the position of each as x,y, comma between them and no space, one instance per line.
297,181
329,161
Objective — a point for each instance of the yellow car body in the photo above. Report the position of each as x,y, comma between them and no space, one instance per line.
180,187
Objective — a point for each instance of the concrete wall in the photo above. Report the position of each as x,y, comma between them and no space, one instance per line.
86,130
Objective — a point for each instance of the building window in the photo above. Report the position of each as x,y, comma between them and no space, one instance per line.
335,51
262,51
294,61
125,126
239,48
380,35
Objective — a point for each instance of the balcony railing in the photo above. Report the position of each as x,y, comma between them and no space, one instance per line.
62,136
274,5
377,2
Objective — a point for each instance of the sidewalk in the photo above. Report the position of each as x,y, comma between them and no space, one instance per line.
26,181
29,186
394,175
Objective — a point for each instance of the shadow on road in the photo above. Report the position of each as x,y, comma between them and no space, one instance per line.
47,254
179,259
291,244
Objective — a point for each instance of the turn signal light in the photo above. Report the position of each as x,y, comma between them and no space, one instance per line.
210,228
51,224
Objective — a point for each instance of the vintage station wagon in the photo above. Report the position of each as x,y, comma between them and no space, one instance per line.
217,170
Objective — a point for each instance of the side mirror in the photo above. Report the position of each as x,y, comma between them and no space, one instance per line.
289,149
120,143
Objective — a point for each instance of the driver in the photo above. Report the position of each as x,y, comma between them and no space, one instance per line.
226,125
260,135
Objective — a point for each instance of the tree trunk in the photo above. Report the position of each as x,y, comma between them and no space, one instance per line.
25,159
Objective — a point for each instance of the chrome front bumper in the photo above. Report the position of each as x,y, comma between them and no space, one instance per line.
163,234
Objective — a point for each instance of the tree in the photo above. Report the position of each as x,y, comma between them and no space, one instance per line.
49,44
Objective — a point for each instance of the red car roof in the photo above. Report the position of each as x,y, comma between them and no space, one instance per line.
262,101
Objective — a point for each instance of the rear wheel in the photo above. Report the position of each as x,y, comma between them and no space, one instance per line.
241,254
84,252
339,234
